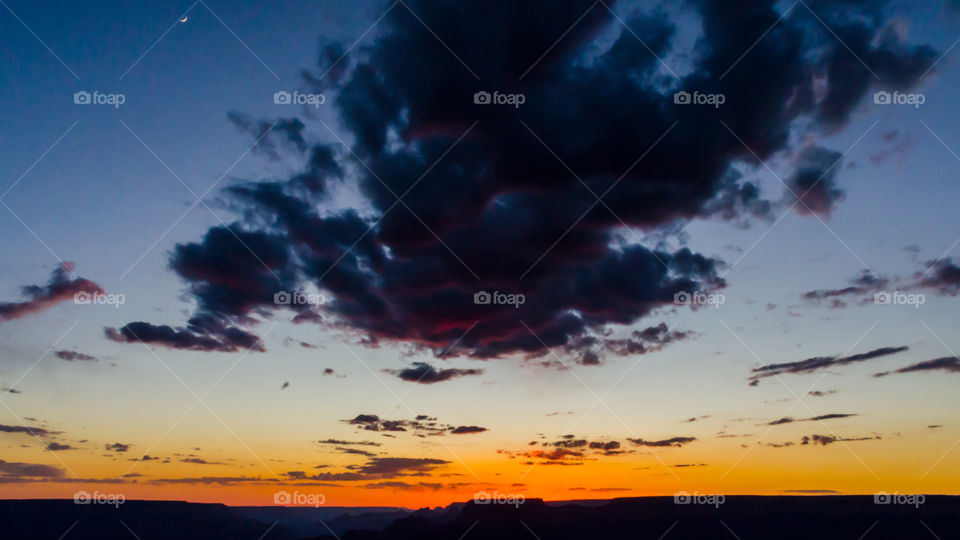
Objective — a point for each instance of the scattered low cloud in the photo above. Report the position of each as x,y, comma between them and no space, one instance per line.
463,430
13,470
71,356
817,363
30,430
831,416
421,426
340,442
56,447
672,441
824,440
949,364
424,373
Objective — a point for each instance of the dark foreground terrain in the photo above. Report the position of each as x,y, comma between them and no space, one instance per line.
747,517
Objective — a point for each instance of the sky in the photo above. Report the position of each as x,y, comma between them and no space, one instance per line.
583,251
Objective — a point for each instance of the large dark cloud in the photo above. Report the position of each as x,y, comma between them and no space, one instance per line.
486,203
59,288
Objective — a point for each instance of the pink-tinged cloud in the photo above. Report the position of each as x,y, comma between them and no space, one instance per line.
42,297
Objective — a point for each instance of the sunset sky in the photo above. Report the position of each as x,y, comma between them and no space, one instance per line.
793,210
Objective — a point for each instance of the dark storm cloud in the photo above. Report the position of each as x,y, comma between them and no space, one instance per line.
424,373
59,288
70,356
231,273
496,210
201,334
817,363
